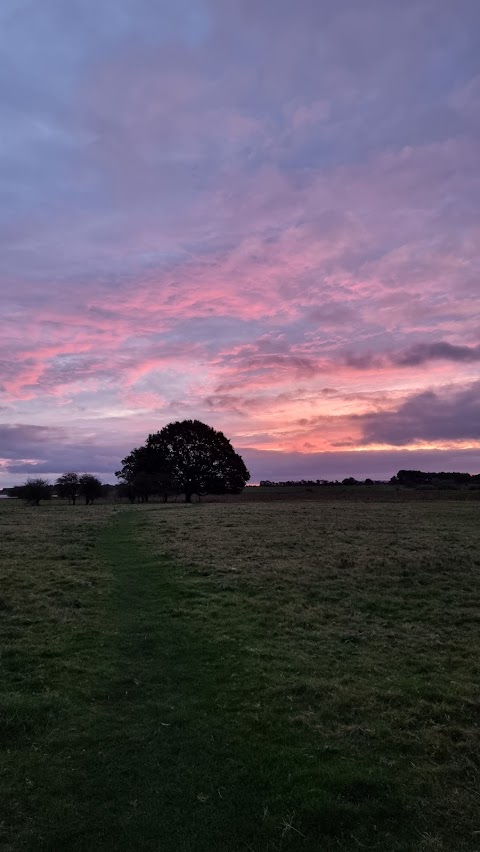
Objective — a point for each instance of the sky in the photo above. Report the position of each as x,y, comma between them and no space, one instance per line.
261,214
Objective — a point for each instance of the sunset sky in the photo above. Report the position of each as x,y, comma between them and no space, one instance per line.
264,214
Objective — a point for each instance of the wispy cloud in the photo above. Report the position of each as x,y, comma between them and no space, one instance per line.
222,209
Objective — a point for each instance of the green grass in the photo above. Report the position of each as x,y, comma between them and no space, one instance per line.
289,676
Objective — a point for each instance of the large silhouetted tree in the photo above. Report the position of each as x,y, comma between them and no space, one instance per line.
190,457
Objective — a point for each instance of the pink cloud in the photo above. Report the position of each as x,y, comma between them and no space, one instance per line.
231,245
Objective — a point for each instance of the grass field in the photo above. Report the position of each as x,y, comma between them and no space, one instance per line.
225,677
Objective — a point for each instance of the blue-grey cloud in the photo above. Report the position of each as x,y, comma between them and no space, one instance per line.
47,449
213,200
423,352
451,414
414,356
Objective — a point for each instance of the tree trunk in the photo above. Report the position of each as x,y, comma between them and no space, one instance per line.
188,496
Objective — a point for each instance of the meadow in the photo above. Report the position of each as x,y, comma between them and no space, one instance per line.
217,677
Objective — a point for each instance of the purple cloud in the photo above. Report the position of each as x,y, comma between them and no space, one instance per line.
416,355
451,414
25,438
423,352
206,205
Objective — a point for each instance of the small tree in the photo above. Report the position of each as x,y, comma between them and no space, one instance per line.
36,489
68,486
90,488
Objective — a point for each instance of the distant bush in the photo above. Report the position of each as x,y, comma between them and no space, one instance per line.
36,489
90,487
68,486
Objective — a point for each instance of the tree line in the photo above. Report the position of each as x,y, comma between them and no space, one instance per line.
289,483
407,478
415,478
69,486
188,457
185,457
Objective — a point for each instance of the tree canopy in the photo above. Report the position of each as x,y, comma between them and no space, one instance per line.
90,487
36,489
144,473
186,456
68,486
421,477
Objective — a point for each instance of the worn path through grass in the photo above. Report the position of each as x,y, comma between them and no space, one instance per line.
142,724
197,762
128,724
186,779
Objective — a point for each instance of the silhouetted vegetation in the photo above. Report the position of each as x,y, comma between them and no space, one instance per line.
67,486
416,478
36,489
90,488
405,478
186,457
296,483
189,457
144,474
